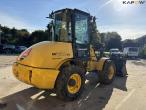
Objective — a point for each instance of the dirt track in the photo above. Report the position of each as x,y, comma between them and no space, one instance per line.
127,93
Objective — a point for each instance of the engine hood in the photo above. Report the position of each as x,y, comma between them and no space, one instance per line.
48,54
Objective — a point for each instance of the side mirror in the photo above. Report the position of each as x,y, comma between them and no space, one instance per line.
51,15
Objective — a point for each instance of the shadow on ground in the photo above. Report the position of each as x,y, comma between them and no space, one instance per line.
95,97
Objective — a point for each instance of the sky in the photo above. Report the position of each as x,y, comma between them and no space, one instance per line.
129,20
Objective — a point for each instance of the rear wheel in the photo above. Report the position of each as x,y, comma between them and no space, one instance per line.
108,73
70,83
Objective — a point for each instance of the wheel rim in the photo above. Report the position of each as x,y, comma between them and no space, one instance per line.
74,83
111,72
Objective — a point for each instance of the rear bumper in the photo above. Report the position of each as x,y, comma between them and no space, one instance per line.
38,77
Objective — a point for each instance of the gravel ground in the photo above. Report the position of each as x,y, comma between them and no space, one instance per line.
125,93
6,60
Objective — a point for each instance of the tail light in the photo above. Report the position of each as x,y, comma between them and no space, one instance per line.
24,54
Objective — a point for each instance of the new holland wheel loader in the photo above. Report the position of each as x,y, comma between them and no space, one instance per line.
61,64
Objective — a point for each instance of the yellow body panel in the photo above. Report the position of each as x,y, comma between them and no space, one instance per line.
93,63
40,78
100,64
96,65
48,54
40,67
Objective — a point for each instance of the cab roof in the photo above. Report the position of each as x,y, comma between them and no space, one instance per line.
72,10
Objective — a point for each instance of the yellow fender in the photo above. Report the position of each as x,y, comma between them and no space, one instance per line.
100,63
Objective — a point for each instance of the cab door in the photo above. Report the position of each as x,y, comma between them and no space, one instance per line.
81,35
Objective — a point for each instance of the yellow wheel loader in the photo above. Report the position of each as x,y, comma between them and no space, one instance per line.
61,64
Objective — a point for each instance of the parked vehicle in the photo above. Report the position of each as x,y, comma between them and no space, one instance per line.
19,49
131,52
1,48
114,51
11,49
8,49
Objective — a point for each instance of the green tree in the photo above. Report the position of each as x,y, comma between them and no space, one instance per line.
6,36
130,43
111,40
114,41
22,36
143,52
38,36
14,36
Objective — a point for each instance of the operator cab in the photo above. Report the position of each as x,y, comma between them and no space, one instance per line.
72,25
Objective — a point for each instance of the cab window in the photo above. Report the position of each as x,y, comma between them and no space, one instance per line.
62,27
81,28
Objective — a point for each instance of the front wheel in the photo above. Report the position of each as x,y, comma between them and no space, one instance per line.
108,73
70,83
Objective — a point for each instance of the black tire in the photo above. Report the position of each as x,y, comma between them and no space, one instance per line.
62,83
104,75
